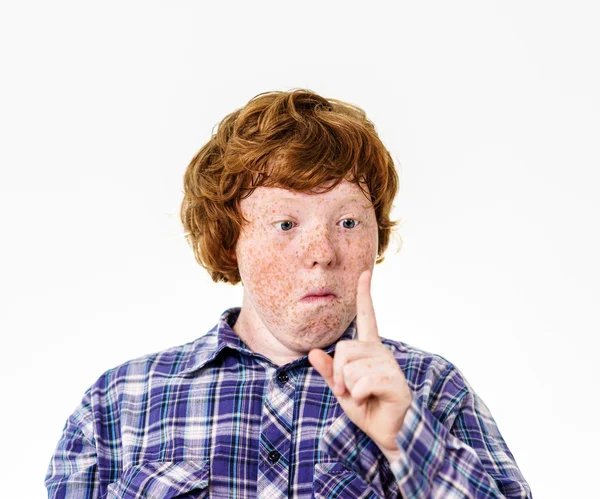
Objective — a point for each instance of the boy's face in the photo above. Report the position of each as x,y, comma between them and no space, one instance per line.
296,242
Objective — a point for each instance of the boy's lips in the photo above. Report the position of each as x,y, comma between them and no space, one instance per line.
322,291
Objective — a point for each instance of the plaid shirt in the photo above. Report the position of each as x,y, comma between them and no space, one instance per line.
212,418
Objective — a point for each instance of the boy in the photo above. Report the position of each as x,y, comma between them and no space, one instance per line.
295,394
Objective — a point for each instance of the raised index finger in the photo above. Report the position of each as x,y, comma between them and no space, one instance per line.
366,324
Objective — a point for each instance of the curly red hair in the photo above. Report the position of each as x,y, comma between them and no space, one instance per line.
296,140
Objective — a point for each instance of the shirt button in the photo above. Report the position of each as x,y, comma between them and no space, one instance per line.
274,456
283,377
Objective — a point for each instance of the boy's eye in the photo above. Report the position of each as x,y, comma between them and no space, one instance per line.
353,223
286,225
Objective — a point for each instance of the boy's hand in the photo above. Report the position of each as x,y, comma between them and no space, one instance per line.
366,378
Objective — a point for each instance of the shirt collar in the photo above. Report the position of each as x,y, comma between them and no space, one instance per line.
222,335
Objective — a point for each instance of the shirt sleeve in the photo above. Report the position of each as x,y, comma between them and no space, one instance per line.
73,471
464,457
449,443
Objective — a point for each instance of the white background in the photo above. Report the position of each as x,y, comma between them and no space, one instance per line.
490,109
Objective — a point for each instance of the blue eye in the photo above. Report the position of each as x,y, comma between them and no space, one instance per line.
287,223
349,220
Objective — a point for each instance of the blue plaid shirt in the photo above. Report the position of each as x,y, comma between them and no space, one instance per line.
211,418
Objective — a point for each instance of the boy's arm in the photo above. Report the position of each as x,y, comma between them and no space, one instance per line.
73,471
470,458
458,452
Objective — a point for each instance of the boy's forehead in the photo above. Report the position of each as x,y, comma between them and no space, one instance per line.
344,192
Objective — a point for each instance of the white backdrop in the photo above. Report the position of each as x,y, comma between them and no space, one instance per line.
491,110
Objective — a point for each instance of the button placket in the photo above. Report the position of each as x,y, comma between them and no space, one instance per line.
276,428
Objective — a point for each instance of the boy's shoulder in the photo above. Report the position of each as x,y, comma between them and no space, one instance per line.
168,362
427,371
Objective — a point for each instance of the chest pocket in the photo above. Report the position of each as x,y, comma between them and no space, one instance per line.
162,480
332,480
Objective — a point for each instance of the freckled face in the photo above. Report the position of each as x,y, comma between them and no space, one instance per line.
296,242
